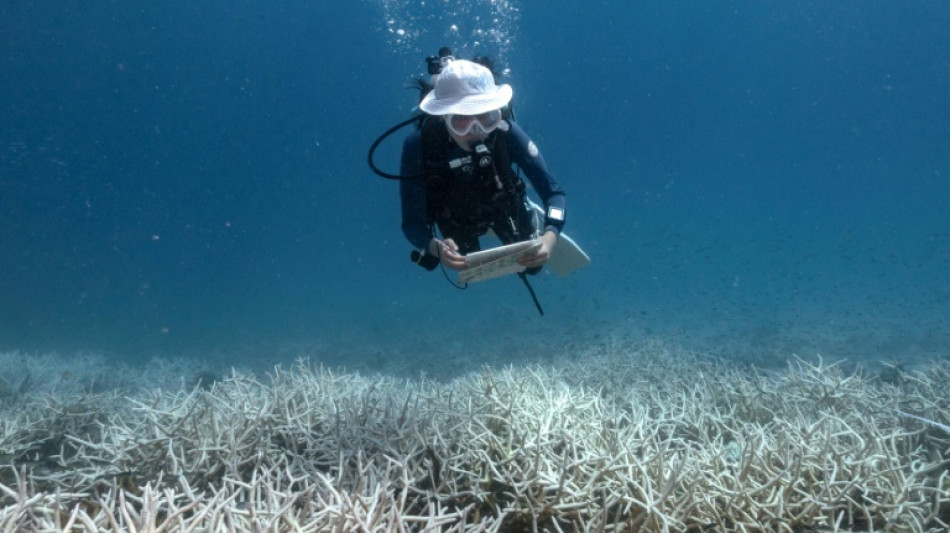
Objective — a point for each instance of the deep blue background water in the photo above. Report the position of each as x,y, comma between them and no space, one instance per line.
754,177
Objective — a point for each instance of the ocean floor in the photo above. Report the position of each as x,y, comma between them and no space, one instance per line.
630,434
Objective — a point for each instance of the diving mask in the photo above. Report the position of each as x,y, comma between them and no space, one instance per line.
484,123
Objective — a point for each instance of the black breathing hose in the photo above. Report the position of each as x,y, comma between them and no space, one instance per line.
379,140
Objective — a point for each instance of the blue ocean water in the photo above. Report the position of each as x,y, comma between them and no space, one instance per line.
754,179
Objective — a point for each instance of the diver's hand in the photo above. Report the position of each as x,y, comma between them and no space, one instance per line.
548,240
448,252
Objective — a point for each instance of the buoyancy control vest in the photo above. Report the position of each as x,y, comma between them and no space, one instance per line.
471,191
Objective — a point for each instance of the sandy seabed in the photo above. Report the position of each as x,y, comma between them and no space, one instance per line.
634,438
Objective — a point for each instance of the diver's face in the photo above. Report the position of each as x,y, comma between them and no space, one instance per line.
467,141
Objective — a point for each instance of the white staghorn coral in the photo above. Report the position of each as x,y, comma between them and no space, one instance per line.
638,439
927,420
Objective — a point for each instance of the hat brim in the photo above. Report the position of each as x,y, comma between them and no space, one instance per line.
467,105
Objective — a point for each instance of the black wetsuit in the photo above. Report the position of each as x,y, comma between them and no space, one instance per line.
429,201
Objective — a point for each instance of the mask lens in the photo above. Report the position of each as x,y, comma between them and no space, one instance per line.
465,124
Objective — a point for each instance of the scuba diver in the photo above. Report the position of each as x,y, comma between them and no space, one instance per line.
458,171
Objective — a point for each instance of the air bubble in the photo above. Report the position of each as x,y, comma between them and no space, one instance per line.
414,21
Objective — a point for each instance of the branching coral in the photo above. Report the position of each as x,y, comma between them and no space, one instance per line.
642,439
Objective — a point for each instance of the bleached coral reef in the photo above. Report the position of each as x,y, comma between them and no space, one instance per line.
635,438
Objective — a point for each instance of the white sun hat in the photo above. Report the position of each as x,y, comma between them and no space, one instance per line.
465,88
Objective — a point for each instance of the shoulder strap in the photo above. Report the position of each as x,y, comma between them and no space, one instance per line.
435,141
502,157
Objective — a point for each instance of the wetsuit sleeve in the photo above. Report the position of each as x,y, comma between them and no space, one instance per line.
525,154
412,194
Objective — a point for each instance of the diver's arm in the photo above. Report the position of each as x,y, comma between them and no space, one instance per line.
412,195
415,216
525,154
